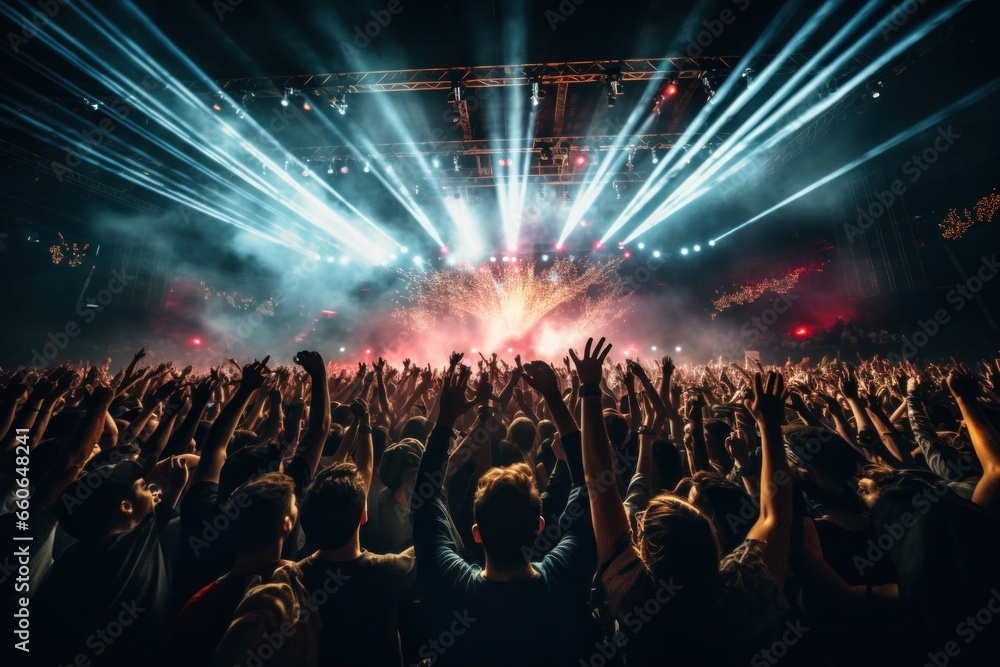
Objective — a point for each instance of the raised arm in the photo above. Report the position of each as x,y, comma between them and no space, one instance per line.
984,436
774,524
213,453
311,447
610,519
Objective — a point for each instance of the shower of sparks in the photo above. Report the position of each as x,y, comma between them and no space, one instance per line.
955,225
749,293
530,308
72,253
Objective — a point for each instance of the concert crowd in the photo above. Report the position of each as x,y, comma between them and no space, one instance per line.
599,511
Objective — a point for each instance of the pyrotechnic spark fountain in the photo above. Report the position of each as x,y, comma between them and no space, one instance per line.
533,309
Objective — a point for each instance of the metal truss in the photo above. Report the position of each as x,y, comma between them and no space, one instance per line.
493,76
573,144
69,176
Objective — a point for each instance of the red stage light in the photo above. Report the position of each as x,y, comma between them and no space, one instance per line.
444,250
328,313
196,342
628,255
598,245
801,332
670,90
581,160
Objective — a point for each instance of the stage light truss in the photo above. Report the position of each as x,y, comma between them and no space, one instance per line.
495,76
560,145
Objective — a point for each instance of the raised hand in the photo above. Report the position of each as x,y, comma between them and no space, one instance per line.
849,385
540,377
963,385
255,374
452,402
738,447
484,390
359,408
311,362
454,360
768,403
379,366
591,367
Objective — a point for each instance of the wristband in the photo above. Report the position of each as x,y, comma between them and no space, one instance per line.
366,429
645,430
590,390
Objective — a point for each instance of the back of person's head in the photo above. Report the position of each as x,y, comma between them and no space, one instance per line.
720,499
546,429
417,428
265,511
667,460
507,508
127,452
341,414
617,428
248,463
522,433
333,440
400,462
333,506
241,439
676,540
717,429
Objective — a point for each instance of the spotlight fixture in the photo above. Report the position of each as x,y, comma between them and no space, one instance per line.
329,169
217,107
712,242
656,253
709,89
92,105
652,154
284,97
545,153
875,89
339,102
581,160
641,246
618,190
684,251
368,166
344,168
614,87
436,162
537,94
455,161
748,75
697,248
630,164
306,106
